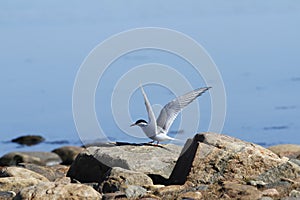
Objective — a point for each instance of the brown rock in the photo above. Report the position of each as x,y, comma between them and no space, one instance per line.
39,158
50,172
288,150
21,173
239,191
211,157
191,196
170,192
68,153
51,190
270,192
119,179
16,184
113,196
150,197
60,168
63,180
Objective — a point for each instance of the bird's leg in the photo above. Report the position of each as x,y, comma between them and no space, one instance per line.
157,143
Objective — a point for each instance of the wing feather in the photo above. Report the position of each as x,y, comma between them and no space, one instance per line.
172,109
151,116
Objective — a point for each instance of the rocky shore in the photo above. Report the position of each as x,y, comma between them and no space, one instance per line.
209,166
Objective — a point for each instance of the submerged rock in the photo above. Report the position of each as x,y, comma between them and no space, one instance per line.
39,158
92,164
29,140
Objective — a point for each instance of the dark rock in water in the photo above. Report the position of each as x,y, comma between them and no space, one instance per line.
39,158
29,140
58,190
58,142
49,172
288,150
92,164
210,158
68,153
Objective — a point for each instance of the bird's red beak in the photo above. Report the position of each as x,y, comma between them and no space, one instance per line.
132,125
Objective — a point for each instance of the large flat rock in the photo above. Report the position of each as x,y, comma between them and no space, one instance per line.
92,164
209,158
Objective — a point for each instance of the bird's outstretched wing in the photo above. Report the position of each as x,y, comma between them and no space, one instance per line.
171,110
151,116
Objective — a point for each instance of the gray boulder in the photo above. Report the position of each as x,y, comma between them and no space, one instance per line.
92,164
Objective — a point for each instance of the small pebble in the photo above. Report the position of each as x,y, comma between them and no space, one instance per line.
295,193
270,192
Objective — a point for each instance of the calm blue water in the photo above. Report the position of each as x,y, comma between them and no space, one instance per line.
255,45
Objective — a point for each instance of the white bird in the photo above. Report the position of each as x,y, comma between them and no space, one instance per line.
157,129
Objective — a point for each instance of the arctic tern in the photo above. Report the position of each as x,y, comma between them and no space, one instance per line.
157,129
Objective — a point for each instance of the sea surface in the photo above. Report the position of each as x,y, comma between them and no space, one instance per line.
255,45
